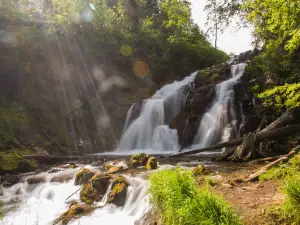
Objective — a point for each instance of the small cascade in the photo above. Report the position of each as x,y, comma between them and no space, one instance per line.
219,123
42,203
150,131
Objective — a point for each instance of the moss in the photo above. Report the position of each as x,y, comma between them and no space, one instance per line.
201,170
215,76
138,160
107,166
14,163
88,194
119,191
72,166
151,163
74,212
21,151
83,176
100,182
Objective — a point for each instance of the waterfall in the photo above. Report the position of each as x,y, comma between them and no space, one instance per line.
42,203
219,123
150,131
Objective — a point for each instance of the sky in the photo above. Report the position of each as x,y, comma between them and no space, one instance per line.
230,41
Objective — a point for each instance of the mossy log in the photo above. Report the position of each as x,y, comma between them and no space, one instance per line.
59,158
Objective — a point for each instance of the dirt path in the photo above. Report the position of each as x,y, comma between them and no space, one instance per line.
250,199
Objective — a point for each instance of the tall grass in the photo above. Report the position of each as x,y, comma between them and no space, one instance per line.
180,202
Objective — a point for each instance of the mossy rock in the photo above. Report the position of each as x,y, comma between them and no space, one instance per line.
74,212
201,170
100,182
118,193
138,160
83,176
151,163
14,163
115,169
89,194
107,166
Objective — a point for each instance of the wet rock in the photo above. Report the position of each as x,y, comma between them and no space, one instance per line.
83,176
151,163
54,170
63,176
115,169
74,212
98,163
89,194
201,170
1,191
100,182
118,193
36,179
138,160
9,180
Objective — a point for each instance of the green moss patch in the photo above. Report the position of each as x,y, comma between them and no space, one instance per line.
151,163
14,163
83,176
138,160
119,190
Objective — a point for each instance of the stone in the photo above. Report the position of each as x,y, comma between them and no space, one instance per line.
201,170
100,182
151,163
9,180
36,179
115,169
14,163
74,212
138,160
83,176
89,194
118,193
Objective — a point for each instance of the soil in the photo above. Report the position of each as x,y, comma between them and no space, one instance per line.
252,199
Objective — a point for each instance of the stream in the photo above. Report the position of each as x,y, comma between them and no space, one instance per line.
146,130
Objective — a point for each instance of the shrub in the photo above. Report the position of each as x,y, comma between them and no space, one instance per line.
179,201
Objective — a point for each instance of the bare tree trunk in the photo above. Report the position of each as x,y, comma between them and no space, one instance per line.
263,169
263,135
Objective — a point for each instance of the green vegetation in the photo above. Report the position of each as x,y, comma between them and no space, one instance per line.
179,201
14,163
1,210
283,170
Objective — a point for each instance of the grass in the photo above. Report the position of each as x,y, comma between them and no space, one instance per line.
288,212
180,202
283,170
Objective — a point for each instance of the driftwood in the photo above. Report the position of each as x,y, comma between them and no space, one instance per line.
263,169
263,135
272,158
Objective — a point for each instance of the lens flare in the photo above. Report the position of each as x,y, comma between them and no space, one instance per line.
140,69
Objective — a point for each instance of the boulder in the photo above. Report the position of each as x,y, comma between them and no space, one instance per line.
74,212
36,179
63,176
138,160
115,169
201,170
118,193
151,163
14,163
89,194
83,176
100,182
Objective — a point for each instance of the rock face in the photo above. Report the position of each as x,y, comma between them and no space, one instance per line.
201,170
119,190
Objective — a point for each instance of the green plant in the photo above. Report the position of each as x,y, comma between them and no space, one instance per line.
180,202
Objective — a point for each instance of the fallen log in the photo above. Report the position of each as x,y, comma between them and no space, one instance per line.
263,135
59,158
272,158
263,169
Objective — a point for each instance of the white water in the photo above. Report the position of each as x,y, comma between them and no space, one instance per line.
149,132
41,204
219,123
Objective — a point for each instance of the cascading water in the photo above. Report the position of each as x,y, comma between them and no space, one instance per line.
44,202
150,130
219,123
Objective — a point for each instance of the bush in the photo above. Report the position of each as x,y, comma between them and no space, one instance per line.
179,201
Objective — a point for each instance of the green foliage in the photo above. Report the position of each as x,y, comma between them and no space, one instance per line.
288,213
179,201
286,96
283,170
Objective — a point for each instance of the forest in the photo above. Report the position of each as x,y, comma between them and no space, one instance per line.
127,112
